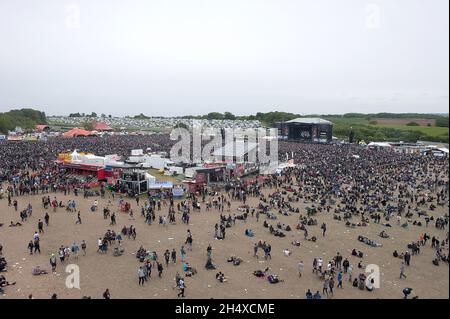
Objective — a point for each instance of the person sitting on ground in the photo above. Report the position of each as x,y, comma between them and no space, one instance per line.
235,260
296,243
4,282
273,279
261,273
370,286
383,234
118,251
407,292
36,271
15,224
249,233
3,264
221,277
287,252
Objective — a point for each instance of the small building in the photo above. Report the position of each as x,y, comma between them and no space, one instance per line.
306,129
135,181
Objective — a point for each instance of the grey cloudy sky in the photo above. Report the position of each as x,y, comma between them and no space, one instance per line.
178,57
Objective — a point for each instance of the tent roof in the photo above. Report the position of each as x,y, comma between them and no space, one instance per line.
102,126
77,132
309,120
380,144
159,185
42,127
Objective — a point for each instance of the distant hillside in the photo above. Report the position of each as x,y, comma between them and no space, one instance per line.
25,118
408,127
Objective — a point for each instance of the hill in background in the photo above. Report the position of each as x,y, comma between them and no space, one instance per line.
27,119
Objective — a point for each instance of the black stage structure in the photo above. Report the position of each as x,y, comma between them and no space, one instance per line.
313,130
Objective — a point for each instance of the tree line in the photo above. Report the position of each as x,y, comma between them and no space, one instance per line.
26,119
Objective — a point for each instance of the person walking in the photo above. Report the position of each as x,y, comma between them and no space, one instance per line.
300,268
174,256
141,276
83,247
339,279
255,250
402,271
78,218
160,269
181,287
182,253
30,247
53,262
40,226
326,285
75,249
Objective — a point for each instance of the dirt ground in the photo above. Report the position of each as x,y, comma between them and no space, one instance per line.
119,274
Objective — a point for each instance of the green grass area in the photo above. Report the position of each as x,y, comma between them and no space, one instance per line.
365,130
429,130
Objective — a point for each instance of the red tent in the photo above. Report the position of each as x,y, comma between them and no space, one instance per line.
42,128
102,126
77,132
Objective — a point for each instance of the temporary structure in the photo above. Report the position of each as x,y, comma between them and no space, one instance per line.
75,132
102,126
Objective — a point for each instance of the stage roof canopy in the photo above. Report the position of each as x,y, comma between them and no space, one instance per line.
309,120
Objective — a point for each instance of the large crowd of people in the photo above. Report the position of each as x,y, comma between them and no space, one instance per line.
378,186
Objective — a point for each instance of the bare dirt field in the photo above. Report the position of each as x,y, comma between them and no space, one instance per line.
119,274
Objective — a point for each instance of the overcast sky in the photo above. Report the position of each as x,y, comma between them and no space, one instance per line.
179,57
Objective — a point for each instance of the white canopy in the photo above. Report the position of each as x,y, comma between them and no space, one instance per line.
75,156
379,144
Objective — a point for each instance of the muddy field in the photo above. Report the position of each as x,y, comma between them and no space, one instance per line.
119,274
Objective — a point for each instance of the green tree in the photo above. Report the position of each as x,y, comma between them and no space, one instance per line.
215,116
229,116
89,125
